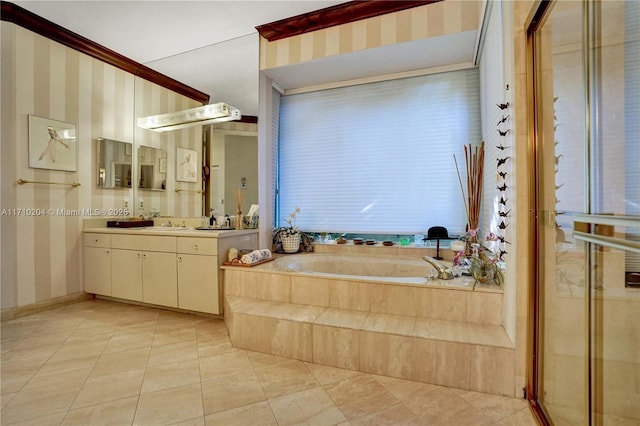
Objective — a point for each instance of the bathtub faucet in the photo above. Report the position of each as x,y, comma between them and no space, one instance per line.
444,273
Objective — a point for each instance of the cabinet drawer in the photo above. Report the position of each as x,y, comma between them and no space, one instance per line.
144,242
97,240
198,245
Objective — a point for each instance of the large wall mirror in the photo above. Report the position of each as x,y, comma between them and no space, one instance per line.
152,168
114,163
234,164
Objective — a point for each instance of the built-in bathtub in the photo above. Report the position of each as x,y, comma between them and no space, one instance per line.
375,314
393,270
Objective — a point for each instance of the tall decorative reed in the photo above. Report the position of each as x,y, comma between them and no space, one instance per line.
238,194
474,160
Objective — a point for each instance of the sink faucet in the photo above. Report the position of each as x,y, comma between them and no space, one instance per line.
444,273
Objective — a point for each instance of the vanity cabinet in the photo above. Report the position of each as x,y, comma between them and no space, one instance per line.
198,288
143,268
179,270
97,264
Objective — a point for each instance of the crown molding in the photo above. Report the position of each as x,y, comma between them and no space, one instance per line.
334,15
13,13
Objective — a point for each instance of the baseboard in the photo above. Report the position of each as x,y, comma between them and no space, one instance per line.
44,305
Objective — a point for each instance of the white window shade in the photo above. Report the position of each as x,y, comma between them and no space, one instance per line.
378,158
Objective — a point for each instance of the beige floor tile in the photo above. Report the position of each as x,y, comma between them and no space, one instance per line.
29,404
494,406
215,346
226,364
181,334
196,421
444,407
325,374
285,378
139,360
309,407
250,415
392,416
359,396
165,376
51,419
124,341
108,387
169,406
173,352
231,391
117,412
117,362
87,346
403,389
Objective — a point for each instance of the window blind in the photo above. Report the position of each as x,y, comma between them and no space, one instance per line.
378,157
275,125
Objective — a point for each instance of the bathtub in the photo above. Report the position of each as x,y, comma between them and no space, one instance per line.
396,270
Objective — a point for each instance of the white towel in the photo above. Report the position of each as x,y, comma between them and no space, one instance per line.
256,256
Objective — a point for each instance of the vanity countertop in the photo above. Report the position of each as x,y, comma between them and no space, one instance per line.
174,232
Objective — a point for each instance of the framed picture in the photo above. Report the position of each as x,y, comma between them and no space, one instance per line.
162,165
53,144
186,165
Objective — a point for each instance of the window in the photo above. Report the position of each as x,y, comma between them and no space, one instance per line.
378,157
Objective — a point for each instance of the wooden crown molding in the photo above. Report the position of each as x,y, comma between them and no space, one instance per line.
339,14
32,22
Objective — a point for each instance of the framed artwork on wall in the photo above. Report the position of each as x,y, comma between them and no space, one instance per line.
186,165
53,144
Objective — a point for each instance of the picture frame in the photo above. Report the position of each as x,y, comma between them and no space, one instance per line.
162,165
53,144
186,165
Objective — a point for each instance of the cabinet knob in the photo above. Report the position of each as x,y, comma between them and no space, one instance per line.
106,251
179,258
138,255
195,246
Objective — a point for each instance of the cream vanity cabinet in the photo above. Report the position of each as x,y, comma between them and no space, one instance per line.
174,269
97,263
198,288
143,268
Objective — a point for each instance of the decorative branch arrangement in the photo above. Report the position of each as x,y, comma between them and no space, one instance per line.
238,194
474,160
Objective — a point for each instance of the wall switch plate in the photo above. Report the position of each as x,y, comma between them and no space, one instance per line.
141,204
125,204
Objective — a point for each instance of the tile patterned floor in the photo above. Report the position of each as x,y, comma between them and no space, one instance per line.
105,363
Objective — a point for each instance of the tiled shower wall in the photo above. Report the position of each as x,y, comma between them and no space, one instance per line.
42,255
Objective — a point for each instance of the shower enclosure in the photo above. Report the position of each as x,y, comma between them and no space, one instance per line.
585,64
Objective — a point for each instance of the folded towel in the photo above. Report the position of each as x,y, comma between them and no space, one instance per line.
256,256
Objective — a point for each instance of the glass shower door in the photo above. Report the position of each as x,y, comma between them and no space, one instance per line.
587,109
612,230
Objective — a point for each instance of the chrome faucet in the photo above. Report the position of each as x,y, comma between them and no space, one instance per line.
444,273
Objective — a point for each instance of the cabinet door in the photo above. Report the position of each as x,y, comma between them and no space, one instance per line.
198,283
126,274
97,270
159,279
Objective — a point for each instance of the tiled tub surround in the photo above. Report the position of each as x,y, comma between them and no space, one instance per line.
438,332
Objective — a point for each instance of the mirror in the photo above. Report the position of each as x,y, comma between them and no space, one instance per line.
114,163
234,164
152,169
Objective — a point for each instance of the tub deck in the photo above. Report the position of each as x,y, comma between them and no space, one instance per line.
424,331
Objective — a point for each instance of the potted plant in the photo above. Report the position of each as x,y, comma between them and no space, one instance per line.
290,238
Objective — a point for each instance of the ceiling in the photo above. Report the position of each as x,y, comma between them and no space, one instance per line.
213,45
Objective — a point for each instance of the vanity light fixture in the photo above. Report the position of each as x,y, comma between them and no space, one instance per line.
206,114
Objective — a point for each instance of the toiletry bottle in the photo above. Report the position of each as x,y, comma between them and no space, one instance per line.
212,219
227,221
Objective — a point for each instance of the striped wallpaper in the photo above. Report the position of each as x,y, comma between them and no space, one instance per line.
42,255
432,20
